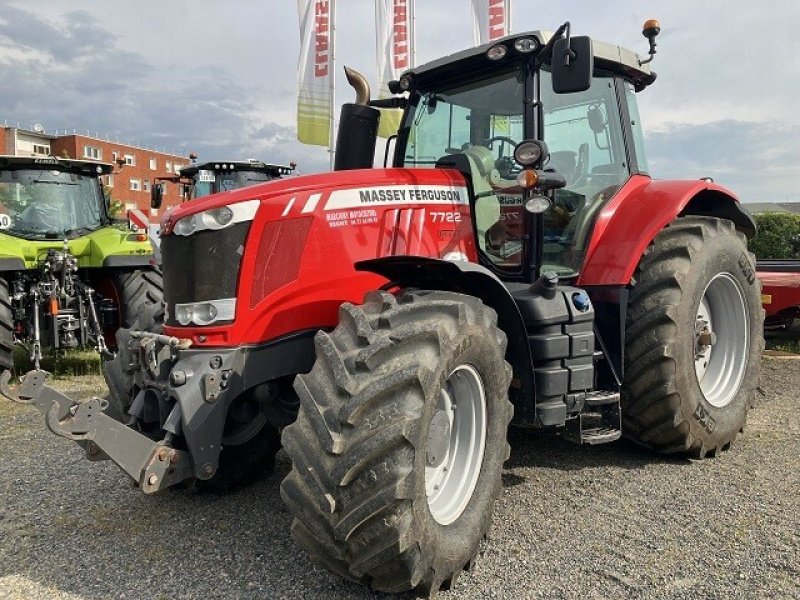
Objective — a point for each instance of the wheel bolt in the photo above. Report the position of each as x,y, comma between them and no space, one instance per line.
152,480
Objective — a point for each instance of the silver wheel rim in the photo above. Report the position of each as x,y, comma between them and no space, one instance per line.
455,446
722,337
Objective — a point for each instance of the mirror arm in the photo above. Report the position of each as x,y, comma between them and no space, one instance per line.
547,51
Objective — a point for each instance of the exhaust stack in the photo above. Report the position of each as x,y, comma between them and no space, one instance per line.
358,128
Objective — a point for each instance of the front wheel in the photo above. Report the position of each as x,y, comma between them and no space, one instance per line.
140,297
693,339
399,444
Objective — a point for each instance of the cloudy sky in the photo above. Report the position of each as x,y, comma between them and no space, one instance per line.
219,76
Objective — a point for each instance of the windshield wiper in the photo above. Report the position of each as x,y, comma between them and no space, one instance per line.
50,181
78,230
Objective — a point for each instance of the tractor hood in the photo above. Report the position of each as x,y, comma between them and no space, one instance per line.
279,192
108,246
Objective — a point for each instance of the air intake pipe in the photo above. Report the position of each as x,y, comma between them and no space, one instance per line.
358,128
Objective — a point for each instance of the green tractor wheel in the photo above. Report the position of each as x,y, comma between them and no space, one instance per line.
6,328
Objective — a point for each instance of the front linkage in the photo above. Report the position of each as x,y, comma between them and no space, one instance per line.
153,465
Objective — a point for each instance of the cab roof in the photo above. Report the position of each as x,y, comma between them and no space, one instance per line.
608,57
237,165
87,167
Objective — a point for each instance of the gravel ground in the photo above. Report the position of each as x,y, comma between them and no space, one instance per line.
604,522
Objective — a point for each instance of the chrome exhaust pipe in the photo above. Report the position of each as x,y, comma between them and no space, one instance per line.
360,85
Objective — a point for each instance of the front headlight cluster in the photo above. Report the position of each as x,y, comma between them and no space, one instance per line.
206,313
217,218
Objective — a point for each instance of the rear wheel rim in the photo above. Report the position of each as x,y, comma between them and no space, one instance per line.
722,339
456,444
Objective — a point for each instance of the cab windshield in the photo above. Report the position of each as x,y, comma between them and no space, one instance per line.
49,204
210,182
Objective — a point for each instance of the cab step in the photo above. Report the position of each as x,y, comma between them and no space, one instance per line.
599,422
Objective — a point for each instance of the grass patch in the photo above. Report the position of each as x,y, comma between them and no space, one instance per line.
66,363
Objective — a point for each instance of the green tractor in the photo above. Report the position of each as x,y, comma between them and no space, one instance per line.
70,275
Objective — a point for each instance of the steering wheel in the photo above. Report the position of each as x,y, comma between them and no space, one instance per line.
505,165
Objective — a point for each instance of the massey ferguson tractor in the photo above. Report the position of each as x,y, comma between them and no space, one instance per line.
392,322
68,277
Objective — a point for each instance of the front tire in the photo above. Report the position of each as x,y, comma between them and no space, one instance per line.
376,435
6,328
141,305
693,339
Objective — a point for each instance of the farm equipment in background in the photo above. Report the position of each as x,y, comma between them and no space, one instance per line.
392,323
69,277
780,280
203,179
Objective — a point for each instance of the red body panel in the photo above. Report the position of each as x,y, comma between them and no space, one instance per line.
630,221
310,231
780,291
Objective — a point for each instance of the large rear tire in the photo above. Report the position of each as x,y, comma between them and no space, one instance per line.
399,444
6,328
693,339
141,298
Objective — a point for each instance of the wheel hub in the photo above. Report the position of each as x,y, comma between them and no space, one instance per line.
455,445
722,336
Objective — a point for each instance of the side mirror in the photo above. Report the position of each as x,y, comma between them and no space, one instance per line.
156,195
573,64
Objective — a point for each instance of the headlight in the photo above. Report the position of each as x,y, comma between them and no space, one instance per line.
185,226
529,152
217,218
496,52
537,204
206,313
526,44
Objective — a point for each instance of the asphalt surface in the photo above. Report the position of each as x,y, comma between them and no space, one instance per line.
605,522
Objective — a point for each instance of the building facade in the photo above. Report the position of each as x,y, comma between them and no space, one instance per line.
135,168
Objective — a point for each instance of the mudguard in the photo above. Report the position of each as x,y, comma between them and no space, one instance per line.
640,209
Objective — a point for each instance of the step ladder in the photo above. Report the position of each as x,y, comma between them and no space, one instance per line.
599,422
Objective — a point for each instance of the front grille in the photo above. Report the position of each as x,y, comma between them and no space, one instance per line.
202,266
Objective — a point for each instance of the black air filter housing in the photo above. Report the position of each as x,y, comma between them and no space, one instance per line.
358,133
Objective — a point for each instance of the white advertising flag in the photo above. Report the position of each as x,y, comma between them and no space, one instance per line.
394,23
491,19
315,72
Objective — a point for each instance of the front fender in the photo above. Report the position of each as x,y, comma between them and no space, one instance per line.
473,279
643,207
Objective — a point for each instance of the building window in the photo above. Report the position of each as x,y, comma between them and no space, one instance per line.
37,149
110,181
114,156
130,159
153,164
136,185
146,185
169,167
92,152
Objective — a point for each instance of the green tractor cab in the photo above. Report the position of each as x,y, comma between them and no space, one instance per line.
204,179
70,275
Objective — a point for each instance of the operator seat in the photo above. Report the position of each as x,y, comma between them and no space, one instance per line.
482,173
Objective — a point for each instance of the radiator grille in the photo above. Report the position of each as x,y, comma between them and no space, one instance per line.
202,266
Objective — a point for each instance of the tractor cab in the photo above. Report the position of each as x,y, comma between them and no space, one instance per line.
203,179
470,111
51,199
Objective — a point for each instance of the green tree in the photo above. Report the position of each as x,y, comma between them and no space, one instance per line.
778,235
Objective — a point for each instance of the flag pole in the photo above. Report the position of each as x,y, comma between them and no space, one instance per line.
332,43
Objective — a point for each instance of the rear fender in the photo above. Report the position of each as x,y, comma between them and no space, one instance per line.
470,278
643,207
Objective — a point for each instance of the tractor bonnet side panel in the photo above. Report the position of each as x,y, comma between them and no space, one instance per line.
298,256
632,218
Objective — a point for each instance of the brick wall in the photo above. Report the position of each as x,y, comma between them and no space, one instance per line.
141,172
3,141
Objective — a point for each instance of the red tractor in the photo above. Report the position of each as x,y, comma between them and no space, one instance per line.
515,264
